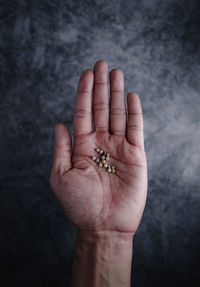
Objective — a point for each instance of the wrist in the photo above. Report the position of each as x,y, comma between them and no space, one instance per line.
105,257
105,239
96,235
107,245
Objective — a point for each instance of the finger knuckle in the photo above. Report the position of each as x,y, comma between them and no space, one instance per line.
101,106
117,111
135,127
81,113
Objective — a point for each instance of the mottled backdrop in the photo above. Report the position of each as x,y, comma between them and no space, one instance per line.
44,46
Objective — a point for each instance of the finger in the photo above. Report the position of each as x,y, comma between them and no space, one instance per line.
83,104
135,121
100,97
117,103
62,149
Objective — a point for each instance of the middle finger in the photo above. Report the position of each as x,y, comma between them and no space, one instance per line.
100,103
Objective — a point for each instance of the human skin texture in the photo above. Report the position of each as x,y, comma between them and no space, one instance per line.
105,208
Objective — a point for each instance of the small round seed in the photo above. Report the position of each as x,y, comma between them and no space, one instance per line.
97,149
109,169
93,157
103,161
107,154
101,151
103,157
113,170
100,164
97,160
105,165
107,157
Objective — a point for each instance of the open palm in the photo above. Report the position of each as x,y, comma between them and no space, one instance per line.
92,198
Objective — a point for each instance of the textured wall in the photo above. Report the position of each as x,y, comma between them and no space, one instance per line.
44,46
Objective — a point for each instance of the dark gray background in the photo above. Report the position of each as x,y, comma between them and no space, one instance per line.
44,46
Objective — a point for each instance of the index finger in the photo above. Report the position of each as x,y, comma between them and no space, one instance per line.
83,104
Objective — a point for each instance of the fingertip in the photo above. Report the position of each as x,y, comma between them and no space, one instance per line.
87,73
133,101
134,96
86,81
58,127
62,133
116,80
101,65
116,72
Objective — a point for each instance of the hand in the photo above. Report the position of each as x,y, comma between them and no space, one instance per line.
92,198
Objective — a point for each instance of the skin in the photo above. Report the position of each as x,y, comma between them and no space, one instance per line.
102,206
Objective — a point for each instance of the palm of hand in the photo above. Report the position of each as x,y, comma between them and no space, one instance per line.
94,199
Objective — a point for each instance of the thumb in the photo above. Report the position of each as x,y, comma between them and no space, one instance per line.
62,149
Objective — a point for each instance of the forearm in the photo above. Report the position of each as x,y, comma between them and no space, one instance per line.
102,259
